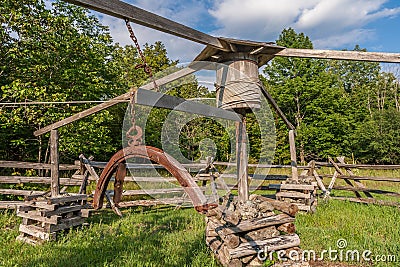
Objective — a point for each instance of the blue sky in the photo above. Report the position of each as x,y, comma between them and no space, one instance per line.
331,24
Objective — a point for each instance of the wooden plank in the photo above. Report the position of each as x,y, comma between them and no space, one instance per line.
275,106
273,244
116,100
36,231
365,178
293,158
20,192
293,195
369,201
35,180
140,16
67,198
34,165
295,187
340,55
256,223
61,210
360,166
55,168
29,215
242,160
375,191
154,202
155,99
66,224
10,204
349,171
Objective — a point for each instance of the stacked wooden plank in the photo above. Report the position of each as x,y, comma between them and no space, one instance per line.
43,217
236,232
302,192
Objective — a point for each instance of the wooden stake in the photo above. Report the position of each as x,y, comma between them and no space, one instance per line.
295,175
55,168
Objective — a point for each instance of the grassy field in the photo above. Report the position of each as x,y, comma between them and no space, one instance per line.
169,237
165,236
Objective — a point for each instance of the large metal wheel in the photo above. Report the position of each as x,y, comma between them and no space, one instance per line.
117,164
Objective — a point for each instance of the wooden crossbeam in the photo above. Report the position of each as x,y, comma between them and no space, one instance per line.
340,55
155,99
140,16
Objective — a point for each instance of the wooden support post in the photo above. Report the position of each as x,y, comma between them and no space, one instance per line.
241,160
293,163
55,164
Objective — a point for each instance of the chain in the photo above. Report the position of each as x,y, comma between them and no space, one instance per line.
134,134
144,65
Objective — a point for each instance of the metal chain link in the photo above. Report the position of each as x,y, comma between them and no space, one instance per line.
147,69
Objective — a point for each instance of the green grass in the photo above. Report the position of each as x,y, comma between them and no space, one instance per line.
169,237
364,227
153,237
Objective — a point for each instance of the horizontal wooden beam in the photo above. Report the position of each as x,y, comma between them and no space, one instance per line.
116,100
340,55
155,99
34,165
142,17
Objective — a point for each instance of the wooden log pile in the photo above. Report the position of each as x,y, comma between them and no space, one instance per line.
42,217
236,232
302,192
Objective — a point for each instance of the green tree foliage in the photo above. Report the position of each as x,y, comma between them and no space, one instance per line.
53,55
337,107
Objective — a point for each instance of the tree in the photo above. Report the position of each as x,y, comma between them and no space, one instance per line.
59,54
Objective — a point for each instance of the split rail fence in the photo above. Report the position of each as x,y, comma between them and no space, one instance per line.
84,173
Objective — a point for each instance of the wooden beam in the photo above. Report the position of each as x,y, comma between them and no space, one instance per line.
293,159
55,168
155,99
277,109
242,160
140,16
169,78
340,55
34,165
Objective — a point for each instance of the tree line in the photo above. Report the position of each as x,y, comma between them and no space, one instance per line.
64,54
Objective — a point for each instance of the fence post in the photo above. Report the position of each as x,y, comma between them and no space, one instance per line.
55,164
293,159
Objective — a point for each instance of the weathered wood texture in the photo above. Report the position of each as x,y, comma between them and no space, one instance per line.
34,165
140,16
340,55
55,168
293,158
44,217
242,160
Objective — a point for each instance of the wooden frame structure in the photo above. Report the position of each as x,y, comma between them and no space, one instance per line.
217,50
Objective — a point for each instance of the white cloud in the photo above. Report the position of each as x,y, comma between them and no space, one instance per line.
330,23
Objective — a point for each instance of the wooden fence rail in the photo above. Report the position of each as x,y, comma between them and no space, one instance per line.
81,175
